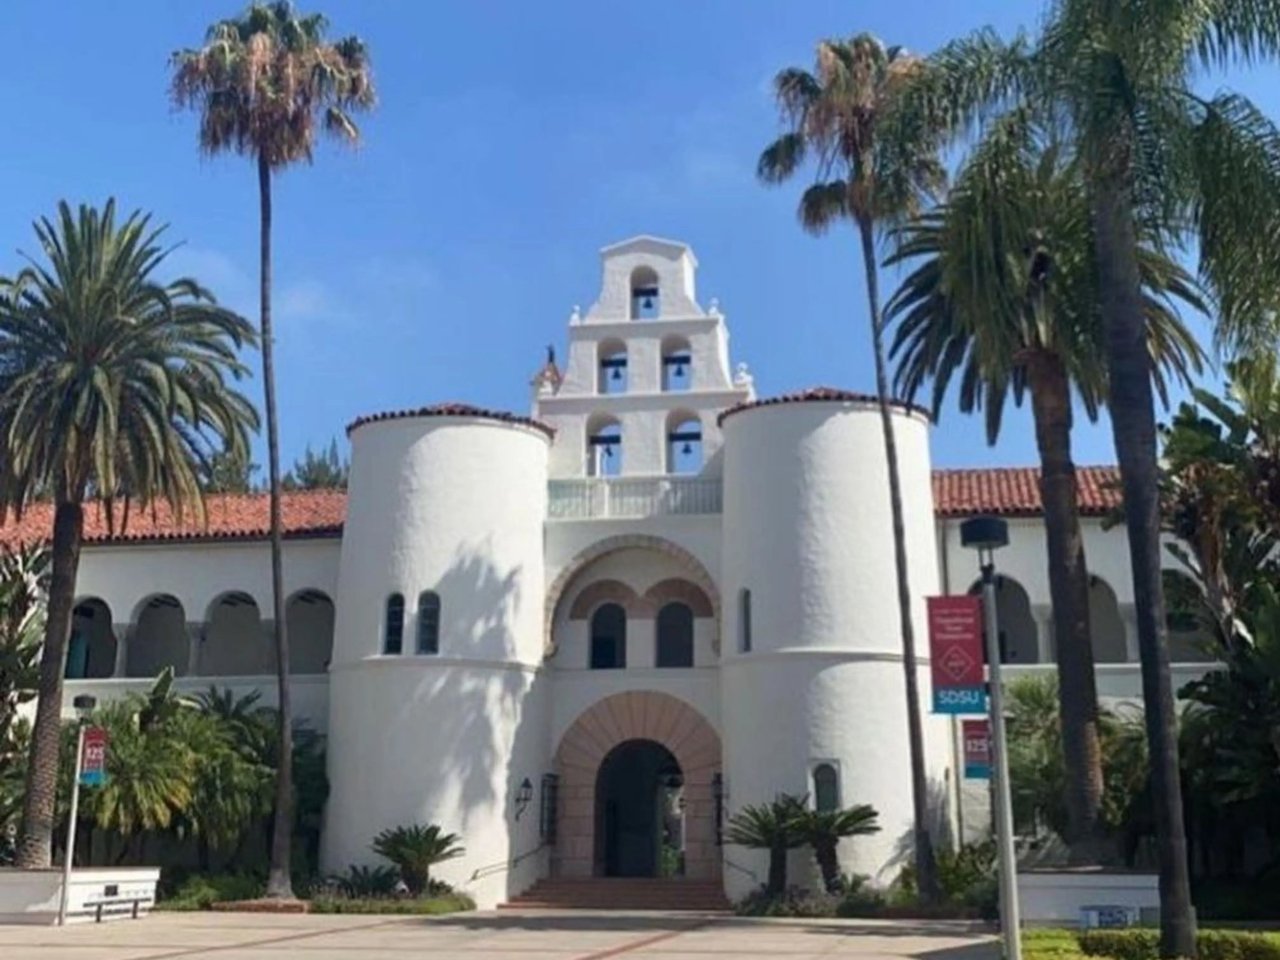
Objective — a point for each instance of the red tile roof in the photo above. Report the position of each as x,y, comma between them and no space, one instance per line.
1006,491
452,410
1015,491
818,394
317,513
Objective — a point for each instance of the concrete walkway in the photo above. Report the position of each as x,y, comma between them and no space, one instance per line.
494,936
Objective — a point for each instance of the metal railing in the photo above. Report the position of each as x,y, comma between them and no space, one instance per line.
600,498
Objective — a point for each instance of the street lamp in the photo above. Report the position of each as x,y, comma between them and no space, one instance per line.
83,705
987,535
524,796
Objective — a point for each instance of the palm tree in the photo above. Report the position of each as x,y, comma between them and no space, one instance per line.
263,83
113,384
874,175
769,826
415,850
1003,292
1161,164
824,829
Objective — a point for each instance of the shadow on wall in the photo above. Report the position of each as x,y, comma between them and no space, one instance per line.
938,805
484,739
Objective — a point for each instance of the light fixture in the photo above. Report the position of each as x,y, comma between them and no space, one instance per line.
84,704
524,795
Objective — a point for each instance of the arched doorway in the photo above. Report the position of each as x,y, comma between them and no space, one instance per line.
640,812
677,753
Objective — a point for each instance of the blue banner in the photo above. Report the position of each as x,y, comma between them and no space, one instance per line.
958,700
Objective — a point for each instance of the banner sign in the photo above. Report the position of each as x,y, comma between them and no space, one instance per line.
93,763
976,735
955,654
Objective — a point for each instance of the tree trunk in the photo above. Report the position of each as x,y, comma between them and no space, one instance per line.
35,848
926,866
777,884
279,883
1069,592
1133,424
824,851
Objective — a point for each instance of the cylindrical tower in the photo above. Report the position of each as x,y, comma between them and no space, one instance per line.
435,715
813,691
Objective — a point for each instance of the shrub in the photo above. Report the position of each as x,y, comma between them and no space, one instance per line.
792,902
448,903
201,891
1210,945
365,881
858,899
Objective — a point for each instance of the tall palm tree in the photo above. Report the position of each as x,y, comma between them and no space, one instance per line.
1164,163
113,384
1003,292
264,82
770,826
873,175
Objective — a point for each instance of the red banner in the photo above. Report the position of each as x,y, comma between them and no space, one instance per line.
976,735
955,654
93,762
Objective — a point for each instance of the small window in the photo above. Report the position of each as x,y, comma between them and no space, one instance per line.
429,622
645,302
675,636
611,376
609,638
826,788
744,621
604,448
677,365
393,639
684,443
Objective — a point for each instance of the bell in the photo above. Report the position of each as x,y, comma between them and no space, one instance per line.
687,448
608,451
679,369
617,373
647,302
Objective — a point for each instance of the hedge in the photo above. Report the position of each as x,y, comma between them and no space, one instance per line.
1210,945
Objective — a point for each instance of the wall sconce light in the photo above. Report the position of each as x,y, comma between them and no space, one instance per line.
524,796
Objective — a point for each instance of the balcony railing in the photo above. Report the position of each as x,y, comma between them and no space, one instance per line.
602,498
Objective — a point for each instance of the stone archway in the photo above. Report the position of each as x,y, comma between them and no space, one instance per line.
637,715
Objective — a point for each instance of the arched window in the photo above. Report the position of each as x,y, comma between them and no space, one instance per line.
428,622
744,620
684,443
235,644
310,616
159,638
677,364
393,638
1018,633
826,788
1105,623
609,638
91,648
611,373
604,447
645,304
1191,637
675,636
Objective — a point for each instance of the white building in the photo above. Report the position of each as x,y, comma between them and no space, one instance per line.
583,636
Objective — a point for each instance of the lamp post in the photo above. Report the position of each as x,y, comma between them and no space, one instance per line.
83,705
987,535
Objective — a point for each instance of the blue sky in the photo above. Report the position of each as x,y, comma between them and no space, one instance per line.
512,141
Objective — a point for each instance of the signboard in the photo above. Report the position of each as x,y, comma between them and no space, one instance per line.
955,654
976,735
93,762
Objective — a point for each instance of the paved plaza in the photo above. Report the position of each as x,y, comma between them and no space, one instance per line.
493,936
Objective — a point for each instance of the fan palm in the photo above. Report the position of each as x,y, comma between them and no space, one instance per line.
415,850
24,583
263,83
1161,164
1003,292
872,175
112,385
824,829
769,826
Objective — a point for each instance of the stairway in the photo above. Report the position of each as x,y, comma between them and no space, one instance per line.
622,893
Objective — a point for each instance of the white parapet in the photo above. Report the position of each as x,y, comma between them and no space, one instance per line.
97,894
1063,896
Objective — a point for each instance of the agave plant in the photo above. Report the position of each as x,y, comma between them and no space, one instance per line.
770,826
415,850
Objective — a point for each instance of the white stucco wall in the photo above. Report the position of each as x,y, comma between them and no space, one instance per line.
807,530
455,505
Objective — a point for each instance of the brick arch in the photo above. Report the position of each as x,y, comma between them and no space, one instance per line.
603,591
693,568
676,590
636,715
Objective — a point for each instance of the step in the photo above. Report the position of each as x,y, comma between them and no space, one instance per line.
621,893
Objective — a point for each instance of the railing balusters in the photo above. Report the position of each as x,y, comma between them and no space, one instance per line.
632,497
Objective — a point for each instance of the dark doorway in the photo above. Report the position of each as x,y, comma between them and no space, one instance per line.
640,812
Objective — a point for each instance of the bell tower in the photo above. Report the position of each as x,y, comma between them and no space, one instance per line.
646,373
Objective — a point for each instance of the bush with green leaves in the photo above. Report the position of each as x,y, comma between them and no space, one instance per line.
451,902
415,850
201,891
770,826
791,902
1142,944
858,898
361,881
